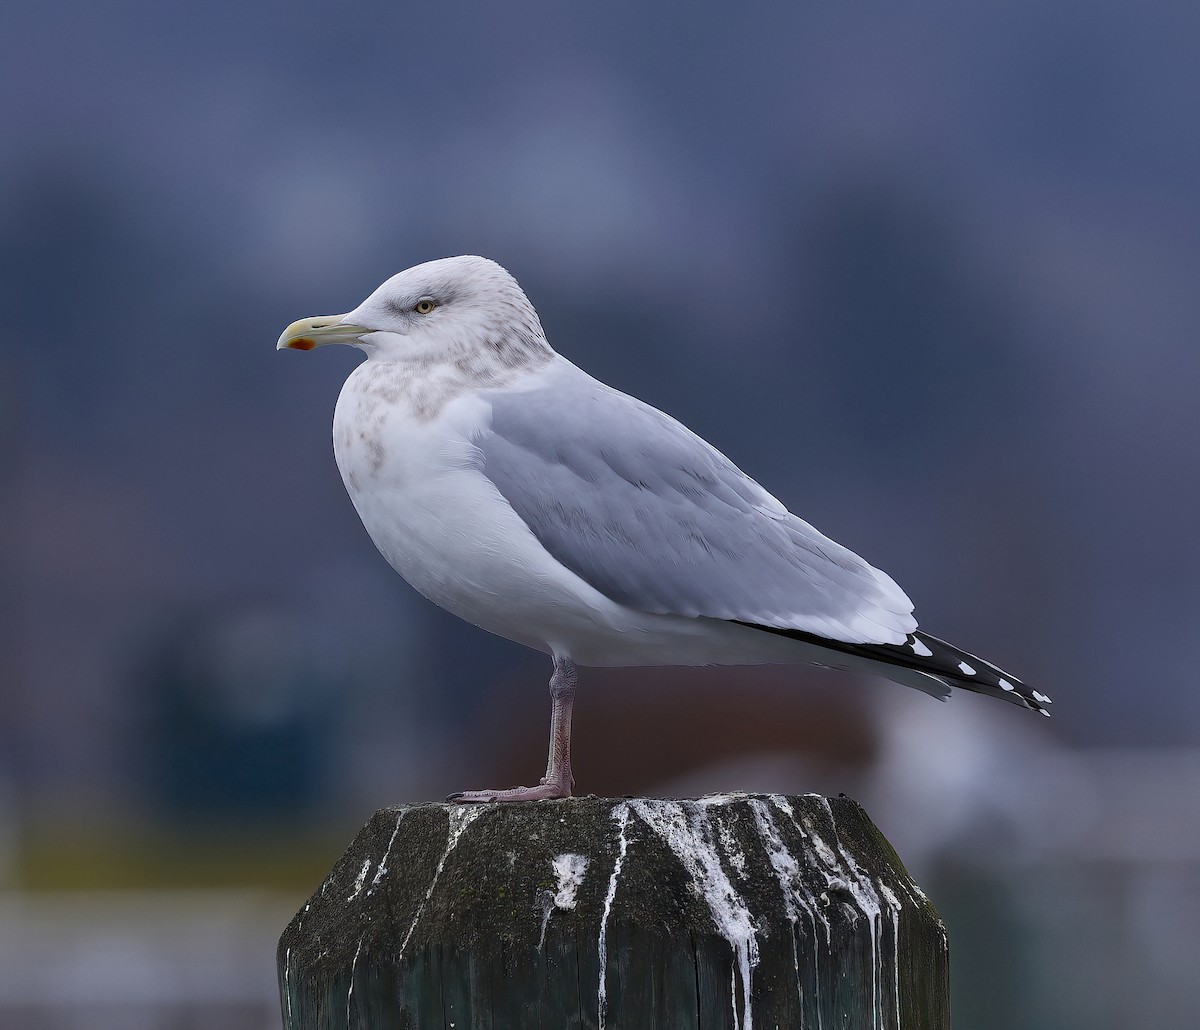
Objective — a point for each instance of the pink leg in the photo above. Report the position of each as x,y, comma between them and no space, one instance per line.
558,781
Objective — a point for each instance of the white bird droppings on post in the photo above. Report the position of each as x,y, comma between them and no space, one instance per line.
360,879
460,819
796,895
733,850
847,876
693,842
382,870
569,871
700,840
620,815
353,967
895,908
287,982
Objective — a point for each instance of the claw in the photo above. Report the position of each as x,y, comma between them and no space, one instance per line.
542,792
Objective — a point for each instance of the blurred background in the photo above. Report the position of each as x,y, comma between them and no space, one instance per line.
930,274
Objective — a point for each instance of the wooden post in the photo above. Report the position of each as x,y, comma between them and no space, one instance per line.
730,911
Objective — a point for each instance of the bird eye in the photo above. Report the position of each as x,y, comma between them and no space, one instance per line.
423,307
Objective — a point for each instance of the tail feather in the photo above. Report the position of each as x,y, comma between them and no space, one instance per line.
935,658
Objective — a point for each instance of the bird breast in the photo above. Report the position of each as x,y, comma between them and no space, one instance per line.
418,487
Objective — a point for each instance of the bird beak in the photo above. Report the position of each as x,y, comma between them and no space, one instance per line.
308,333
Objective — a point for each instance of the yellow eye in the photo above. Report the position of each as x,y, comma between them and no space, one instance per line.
423,307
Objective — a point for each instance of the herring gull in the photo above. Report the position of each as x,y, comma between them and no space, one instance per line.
514,490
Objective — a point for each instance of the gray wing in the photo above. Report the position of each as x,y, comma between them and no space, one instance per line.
656,519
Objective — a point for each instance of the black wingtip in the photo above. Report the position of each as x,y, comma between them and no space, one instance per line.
931,654
935,657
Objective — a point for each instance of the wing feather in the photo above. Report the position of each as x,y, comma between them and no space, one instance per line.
655,518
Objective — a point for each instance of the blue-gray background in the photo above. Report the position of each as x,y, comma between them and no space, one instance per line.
929,273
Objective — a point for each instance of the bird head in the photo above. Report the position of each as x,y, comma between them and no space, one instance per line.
437,311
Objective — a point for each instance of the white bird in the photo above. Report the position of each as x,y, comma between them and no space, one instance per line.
511,488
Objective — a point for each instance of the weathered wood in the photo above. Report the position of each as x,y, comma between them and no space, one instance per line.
729,911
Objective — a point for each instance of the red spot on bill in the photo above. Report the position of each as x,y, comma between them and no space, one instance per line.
302,343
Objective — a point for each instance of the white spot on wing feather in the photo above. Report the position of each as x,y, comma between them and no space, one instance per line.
919,648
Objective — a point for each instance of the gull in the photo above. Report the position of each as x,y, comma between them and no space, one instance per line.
508,486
